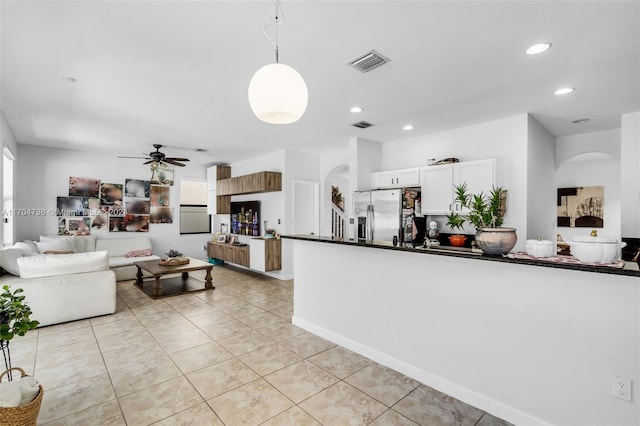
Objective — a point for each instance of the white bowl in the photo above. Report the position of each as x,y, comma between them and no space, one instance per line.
540,248
596,249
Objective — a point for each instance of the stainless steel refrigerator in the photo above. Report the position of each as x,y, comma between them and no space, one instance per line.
378,214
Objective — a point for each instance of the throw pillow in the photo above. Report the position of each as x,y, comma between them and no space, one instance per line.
139,253
9,260
26,245
57,245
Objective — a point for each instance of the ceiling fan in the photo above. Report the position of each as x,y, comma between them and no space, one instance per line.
160,158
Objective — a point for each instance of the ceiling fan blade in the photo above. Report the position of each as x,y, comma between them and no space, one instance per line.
149,162
143,158
176,159
175,163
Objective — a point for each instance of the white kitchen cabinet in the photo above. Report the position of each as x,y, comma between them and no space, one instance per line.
396,178
438,182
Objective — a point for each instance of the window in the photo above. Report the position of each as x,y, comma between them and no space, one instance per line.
194,218
7,197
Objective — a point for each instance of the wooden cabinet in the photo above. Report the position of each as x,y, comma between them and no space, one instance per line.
251,184
437,183
396,178
229,253
265,254
217,203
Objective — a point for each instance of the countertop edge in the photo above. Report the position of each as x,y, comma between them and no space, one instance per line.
477,256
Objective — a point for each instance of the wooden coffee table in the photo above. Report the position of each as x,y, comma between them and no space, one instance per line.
172,286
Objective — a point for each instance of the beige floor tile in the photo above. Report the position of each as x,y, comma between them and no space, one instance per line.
427,406
284,313
65,327
170,327
122,341
120,315
70,372
281,330
229,302
23,347
384,384
65,353
293,416
159,401
214,316
117,327
145,373
200,356
200,415
489,420
270,358
340,362
261,319
242,310
224,330
250,404
180,342
146,350
342,404
301,380
244,342
393,418
105,414
65,337
307,344
215,296
75,397
222,377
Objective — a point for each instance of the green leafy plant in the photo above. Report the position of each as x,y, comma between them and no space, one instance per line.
174,253
15,320
484,211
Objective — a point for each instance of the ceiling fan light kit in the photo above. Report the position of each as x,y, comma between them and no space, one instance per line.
277,92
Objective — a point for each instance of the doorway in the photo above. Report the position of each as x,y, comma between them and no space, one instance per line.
306,207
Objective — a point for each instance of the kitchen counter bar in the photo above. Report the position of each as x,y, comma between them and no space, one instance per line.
630,269
529,342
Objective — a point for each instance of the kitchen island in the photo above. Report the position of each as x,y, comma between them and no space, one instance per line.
532,343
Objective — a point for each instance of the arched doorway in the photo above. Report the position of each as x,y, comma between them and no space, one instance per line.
336,199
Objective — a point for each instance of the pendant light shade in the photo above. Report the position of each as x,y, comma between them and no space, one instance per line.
278,94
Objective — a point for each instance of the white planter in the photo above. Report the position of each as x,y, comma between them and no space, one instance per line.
596,249
540,248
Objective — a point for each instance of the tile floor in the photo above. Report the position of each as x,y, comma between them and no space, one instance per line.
224,357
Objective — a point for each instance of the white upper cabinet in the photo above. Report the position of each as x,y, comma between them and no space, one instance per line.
396,178
438,183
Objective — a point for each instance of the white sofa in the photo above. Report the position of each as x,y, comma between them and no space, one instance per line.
80,284
65,287
117,248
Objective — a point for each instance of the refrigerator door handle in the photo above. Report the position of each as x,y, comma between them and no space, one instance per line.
372,222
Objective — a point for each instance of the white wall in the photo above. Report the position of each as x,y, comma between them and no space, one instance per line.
6,140
43,174
604,171
329,163
504,139
365,157
541,183
630,174
529,344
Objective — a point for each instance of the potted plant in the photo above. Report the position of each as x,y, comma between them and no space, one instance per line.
456,221
486,214
15,320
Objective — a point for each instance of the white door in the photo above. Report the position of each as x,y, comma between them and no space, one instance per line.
306,207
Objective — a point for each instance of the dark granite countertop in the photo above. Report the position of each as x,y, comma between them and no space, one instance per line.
468,254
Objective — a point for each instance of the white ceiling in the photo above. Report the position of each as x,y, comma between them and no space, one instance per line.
176,72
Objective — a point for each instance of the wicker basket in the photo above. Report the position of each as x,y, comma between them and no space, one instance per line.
24,415
175,261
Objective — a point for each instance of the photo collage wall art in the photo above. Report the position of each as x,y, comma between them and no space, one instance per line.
94,206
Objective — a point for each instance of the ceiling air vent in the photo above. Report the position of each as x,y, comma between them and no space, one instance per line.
362,124
368,61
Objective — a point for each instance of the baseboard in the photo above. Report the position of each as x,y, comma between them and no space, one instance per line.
466,395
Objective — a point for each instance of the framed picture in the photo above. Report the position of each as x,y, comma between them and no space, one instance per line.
232,239
224,228
222,238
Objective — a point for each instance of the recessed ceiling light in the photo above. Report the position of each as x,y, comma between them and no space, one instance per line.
356,109
69,79
564,90
407,127
200,149
580,120
538,48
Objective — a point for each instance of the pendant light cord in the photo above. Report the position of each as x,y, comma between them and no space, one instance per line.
275,19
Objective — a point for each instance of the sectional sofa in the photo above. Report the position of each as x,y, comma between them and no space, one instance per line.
78,281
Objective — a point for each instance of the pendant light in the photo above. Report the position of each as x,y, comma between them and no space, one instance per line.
277,92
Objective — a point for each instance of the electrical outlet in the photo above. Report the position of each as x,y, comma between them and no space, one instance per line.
204,247
621,388
278,221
